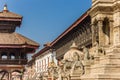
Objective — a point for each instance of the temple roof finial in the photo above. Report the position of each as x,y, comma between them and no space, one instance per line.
5,8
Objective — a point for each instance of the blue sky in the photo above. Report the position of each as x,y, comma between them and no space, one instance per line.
44,20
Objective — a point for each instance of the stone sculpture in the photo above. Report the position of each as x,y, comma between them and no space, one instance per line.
70,66
86,53
98,50
77,64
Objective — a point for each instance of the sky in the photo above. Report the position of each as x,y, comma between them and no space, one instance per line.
45,20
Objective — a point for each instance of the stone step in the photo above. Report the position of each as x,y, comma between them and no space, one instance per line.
110,59
75,78
108,76
99,68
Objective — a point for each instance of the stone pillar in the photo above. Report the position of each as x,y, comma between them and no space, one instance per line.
111,32
116,34
116,24
101,35
93,34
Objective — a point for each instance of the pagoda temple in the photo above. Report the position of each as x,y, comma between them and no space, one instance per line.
14,47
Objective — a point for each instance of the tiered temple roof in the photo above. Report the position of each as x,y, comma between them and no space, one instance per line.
8,37
6,15
16,40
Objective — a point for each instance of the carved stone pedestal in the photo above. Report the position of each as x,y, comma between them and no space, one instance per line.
76,74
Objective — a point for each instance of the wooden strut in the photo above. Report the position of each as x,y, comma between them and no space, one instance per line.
3,76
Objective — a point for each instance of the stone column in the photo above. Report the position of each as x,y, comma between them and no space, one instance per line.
101,35
93,34
116,38
111,32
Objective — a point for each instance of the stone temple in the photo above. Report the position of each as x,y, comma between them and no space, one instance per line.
100,58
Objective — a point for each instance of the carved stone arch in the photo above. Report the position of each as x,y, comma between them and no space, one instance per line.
106,30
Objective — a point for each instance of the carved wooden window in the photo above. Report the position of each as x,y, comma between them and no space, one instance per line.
12,56
4,55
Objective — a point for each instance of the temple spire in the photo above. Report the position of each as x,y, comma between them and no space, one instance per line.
5,8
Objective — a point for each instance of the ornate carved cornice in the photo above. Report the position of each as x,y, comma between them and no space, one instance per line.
116,7
101,10
102,2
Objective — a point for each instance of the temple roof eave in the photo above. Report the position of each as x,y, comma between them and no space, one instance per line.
9,15
10,19
78,21
15,39
18,46
27,47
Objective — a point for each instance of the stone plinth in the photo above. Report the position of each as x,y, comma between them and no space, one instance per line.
108,67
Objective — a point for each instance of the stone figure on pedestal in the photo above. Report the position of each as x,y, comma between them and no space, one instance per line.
86,53
70,66
77,63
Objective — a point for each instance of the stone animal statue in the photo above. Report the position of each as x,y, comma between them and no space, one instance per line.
66,65
77,63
